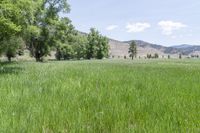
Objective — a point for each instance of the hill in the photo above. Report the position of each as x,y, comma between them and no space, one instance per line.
119,48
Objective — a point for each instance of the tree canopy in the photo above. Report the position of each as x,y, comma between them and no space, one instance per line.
41,28
97,45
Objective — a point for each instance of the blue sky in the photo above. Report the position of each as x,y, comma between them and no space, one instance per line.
166,22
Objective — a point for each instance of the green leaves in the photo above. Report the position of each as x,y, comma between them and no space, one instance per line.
12,46
97,45
60,5
9,20
48,30
71,45
38,23
8,28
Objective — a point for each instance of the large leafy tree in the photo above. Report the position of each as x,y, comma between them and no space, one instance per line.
93,38
46,19
9,19
133,50
38,24
80,46
102,48
14,19
97,45
13,46
64,39
15,16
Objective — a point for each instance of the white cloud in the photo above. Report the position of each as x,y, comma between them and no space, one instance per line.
112,27
137,27
169,26
173,37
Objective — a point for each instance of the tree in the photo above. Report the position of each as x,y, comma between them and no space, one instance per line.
97,45
149,56
64,52
133,50
13,46
15,17
13,20
80,47
64,39
68,52
180,56
39,24
9,26
92,43
156,55
45,23
9,19
102,48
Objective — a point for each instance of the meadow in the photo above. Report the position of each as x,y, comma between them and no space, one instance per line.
118,96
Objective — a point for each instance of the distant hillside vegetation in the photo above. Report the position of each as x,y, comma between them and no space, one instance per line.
120,48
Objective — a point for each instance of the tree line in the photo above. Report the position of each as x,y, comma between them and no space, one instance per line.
37,26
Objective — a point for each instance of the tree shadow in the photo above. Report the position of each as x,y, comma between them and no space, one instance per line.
10,68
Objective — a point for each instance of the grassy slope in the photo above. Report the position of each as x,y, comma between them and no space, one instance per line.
100,96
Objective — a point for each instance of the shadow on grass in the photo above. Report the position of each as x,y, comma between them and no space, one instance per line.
10,68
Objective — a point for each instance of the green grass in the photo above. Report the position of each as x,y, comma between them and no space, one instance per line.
100,96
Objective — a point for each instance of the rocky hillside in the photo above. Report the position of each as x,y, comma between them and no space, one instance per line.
118,48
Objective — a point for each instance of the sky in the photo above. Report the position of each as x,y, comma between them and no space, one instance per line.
164,22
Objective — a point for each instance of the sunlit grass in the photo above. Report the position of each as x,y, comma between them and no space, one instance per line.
100,96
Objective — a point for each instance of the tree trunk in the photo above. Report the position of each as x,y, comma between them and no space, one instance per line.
9,58
38,57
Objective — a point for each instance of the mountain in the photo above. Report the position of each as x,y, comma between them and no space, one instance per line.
120,48
162,49
145,44
188,49
182,46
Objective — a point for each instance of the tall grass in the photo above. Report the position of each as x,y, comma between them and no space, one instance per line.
100,96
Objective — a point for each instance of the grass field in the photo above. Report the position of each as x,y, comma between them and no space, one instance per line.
100,96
